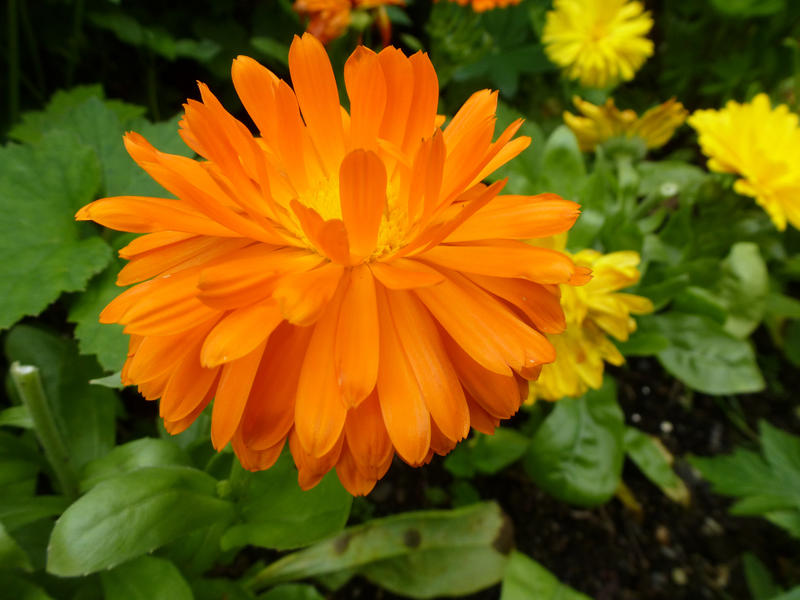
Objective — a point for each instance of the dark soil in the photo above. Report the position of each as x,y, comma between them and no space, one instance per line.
666,551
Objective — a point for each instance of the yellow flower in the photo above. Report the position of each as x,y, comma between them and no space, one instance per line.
762,145
593,312
598,42
601,123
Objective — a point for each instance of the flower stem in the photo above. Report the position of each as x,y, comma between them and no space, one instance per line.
28,384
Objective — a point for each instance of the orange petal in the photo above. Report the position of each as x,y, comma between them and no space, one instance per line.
356,347
269,417
139,214
504,259
303,296
153,241
480,419
319,410
496,394
366,88
187,388
255,85
436,378
540,304
405,274
256,460
420,122
404,411
310,470
399,78
176,427
190,252
368,439
232,395
318,97
362,192
518,217
239,333
353,480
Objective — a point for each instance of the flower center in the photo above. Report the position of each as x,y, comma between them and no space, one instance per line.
323,197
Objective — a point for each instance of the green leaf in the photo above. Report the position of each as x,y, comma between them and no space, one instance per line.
130,31
18,512
145,452
421,555
214,589
20,463
780,305
645,341
526,579
292,591
669,178
706,357
767,485
18,588
11,555
655,461
759,580
127,516
277,514
576,454
272,48
16,416
793,594
84,413
791,342
41,187
744,287
34,124
486,454
563,166
145,578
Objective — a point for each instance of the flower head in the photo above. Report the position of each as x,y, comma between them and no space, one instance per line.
598,42
484,5
329,19
593,312
762,146
602,123
344,280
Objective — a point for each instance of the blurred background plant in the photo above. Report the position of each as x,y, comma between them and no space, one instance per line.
605,489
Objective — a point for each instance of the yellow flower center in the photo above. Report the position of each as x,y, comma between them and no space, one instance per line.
323,197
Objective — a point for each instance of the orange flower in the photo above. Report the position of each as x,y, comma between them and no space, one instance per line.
343,281
328,19
484,5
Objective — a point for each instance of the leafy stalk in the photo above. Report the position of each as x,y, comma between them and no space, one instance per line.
28,384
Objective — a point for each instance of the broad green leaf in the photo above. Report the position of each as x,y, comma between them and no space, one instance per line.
84,413
145,452
655,461
11,555
41,187
20,463
19,588
576,454
420,555
277,514
198,551
563,165
145,578
744,287
645,341
700,301
104,340
759,580
16,416
486,454
214,589
292,591
34,124
18,512
793,594
526,579
782,451
706,357
133,514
